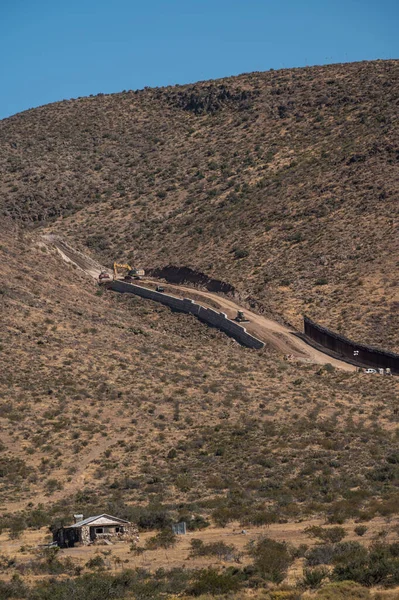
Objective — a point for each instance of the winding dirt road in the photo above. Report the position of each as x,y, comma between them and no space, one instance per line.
272,333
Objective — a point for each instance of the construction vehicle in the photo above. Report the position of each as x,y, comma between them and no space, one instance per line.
131,274
104,277
241,318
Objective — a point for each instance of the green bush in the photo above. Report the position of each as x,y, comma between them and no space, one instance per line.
344,590
153,518
377,566
97,242
313,577
210,581
220,549
13,589
97,562
283,595
332,535
271,559
321,281
320,555
37,518
196,522
240,253
164,539
16,525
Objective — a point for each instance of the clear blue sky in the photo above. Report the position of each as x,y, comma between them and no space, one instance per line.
56,49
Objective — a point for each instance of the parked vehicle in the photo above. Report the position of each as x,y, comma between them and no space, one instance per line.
241,318
370,371
104,277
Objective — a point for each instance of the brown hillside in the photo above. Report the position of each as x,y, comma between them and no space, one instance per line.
283,184
110,402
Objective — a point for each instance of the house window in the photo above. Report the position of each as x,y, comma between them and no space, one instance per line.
118,529
99,529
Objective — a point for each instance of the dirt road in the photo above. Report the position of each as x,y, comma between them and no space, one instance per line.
272,333
279,336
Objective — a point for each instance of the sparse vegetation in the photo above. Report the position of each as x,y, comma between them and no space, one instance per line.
203,169
115,404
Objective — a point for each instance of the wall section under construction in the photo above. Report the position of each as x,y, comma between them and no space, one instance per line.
208,315
347,349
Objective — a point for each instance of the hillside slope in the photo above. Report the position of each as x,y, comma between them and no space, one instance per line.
110,402
284,184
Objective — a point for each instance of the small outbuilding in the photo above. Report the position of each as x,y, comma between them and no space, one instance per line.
103,527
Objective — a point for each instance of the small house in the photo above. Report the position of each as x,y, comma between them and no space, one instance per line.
88,531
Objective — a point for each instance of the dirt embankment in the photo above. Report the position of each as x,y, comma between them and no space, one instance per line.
185,276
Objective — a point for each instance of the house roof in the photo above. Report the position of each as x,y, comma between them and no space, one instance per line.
98,520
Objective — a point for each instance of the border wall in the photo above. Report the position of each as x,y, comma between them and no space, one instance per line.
208,315
344,348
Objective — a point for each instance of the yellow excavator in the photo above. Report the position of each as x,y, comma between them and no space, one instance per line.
130,274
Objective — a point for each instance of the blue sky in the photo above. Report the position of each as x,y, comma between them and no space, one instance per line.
53,50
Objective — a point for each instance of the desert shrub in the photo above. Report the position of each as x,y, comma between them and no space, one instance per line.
360,530
259,517
283,595
271,559
220,549
341,510
103,586
195,523
240,253
299,551
37,518
320,555
97,562
328,554
313,577
332,535
321,281
97,242
225,514
210,581
16,525
12,467
52,485
164,539
153,518
13,589
49,563
377,566
344,590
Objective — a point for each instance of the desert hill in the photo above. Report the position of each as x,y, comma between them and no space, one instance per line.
284,184
114,401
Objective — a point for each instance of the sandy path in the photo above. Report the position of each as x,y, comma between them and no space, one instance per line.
272,333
